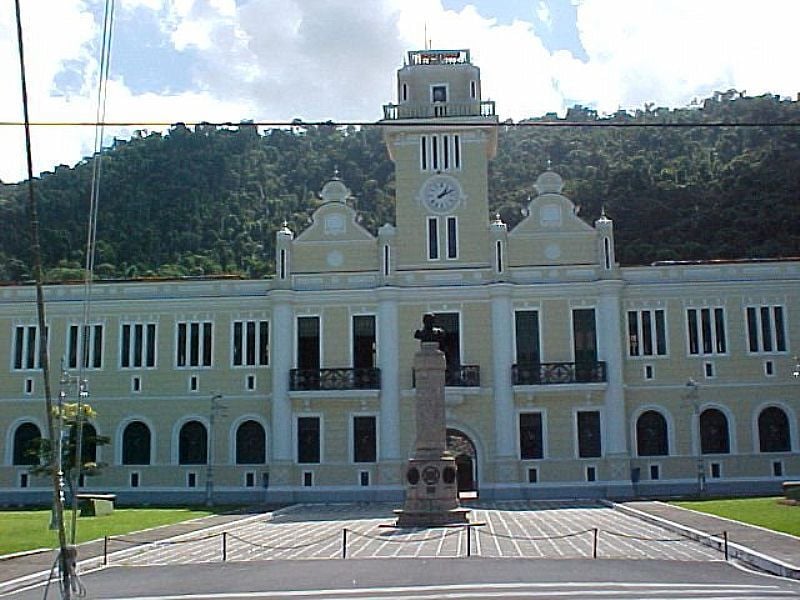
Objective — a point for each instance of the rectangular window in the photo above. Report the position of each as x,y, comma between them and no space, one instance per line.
29,386
88,346
363,478
195,340
365,446
138,345
450,344
706,330
308,440
191,479
473,89
249,479
250,343
646,333
655,472
308,478
716,470
777,468
766,329
136,384
440,152
591,474
27,343
308,343
364,341
527,336
452,237
533,475
589,445
584,335
433,238
23,480
530,436
134,480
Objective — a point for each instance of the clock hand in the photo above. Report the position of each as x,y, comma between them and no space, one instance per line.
444,192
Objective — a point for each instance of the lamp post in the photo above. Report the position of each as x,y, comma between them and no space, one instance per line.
214,408
693,396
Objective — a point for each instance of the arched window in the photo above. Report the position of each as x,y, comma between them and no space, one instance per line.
193,444
714,432
88,443
136,444
773,430
651,434
251,444
24,438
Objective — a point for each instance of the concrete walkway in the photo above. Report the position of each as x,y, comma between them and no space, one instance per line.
774,552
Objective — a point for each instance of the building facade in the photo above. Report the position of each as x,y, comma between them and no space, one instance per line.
568,376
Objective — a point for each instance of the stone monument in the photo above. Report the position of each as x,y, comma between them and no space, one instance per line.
430,477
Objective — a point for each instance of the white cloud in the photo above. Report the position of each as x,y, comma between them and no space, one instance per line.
336,59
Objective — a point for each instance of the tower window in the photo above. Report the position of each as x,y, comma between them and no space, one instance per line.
433,238
473,89
404,92
439,93
452,237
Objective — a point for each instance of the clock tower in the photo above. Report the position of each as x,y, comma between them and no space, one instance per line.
441,135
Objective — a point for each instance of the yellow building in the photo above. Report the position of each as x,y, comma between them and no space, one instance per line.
568,376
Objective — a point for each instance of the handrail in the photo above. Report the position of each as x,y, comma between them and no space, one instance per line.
554,373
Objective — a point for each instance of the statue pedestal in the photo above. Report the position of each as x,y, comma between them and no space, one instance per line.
430,476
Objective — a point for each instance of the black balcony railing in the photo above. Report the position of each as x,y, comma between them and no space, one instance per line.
560,372
461,376
335,379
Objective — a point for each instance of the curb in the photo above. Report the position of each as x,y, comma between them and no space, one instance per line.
742,553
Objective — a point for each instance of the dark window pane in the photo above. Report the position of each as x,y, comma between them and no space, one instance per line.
364,439
194,344
773,430
433,239
32,359
125,347
651,434
151,345
450,343
766,329
452,238
97,349
72,352
633,333
181,357
714,432
589,445
780,332
527,336
207,344
530,436
705,320
24,443
193,444
691,318
251,444
363,341
263,343
308,442
308,355
661,333
237,344
138,341
19,343
752,330
719,326
647,334
136,444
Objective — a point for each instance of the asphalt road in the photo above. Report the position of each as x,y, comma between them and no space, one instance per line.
412,579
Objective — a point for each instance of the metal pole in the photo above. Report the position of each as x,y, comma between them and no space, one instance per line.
224,546
594,544
344,543
105,551
469,540
725,540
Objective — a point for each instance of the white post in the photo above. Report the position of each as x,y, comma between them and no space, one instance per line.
388,361
282,327
502,357
610,350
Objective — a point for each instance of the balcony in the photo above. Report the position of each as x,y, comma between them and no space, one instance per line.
484,108
558,373
460,376
334,379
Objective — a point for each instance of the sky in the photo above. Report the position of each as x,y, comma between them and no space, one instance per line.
318,60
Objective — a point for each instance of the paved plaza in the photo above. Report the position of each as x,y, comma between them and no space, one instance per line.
500,530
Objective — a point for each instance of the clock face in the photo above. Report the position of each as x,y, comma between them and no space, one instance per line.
441,193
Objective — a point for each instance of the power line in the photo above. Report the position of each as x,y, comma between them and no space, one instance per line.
403,123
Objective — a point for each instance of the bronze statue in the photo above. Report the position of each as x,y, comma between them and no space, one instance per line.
429,333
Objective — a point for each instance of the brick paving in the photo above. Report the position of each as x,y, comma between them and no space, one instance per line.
509,529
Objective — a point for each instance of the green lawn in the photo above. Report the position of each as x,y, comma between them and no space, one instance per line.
766,512
28,529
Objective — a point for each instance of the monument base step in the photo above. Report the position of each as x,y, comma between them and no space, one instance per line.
440,518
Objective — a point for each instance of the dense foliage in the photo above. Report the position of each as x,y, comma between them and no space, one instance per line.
209,200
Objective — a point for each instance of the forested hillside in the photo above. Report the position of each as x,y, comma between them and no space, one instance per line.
209,200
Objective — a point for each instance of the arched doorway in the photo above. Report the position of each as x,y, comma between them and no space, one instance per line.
461,446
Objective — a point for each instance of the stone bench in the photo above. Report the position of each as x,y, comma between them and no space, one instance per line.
791,489
96,505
